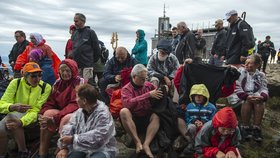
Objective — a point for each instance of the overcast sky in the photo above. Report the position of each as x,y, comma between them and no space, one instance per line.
52,18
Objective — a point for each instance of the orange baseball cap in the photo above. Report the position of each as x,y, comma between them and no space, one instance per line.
31,67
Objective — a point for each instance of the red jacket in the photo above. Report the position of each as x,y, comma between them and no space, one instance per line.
137,100
63,96
47,51
208,140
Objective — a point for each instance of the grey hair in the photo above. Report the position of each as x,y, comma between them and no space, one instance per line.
137,69
81,16
182,24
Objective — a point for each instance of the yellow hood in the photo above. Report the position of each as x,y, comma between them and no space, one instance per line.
200,89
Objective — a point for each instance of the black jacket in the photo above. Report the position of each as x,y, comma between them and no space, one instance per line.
219,47
113,67
86,49
186,47
237,42
17,49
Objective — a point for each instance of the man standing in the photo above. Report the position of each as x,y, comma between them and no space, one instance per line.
186,46
17,49
200,45
86,49
175,39
239,39
265,48
218,49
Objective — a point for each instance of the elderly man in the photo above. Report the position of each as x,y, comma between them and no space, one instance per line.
200,45
113,68
17,49
163,65
186,48
86,49
239,39
218,49
136,115
22,110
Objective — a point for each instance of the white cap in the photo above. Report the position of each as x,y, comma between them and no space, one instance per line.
230,13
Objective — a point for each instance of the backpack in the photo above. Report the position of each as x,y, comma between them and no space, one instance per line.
42,86
104,52
252,42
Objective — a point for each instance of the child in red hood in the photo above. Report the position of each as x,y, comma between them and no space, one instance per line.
218,138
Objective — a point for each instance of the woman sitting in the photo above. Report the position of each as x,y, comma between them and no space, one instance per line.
60,105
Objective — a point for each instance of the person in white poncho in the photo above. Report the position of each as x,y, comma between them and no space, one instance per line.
90,131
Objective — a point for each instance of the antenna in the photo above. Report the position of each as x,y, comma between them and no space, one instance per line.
164,10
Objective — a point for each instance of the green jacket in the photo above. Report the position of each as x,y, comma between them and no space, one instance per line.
25,94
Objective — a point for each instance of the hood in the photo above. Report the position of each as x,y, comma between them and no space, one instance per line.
165,45
225,118
39,39
200,89
72,65
141,34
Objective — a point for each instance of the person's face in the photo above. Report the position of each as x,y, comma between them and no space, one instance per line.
226,131
174,33
199,99
78,22
250,66
140,79
121,55
137,35
162,55
180,29
232,19
33,40
65,72
199,34
19,38
81,102
34,78
267,39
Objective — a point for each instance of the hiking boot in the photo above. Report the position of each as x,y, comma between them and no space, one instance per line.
246,133
189,149
257,135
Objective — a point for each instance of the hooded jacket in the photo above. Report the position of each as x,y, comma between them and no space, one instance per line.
47,52
160,69
17,49
209,140
32,96
140,48
203,112
63,96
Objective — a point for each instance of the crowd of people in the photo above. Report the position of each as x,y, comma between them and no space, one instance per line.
63,98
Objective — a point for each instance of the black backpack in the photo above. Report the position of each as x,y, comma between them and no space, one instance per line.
252,42
104,52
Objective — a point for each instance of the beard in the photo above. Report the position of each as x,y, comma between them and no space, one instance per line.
162,58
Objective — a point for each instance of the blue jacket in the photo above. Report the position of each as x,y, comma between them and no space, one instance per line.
140,49
48,72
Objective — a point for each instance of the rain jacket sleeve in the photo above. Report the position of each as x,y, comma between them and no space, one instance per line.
33,96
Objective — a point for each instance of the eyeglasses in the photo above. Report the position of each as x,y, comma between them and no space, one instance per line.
227,130
17,36
35,75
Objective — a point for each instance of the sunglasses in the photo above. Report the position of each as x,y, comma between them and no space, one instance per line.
35,75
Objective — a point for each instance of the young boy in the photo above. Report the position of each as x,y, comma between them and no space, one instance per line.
199,111
219,137
90,131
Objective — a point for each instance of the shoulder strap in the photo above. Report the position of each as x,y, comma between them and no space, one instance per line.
43,87
18,82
